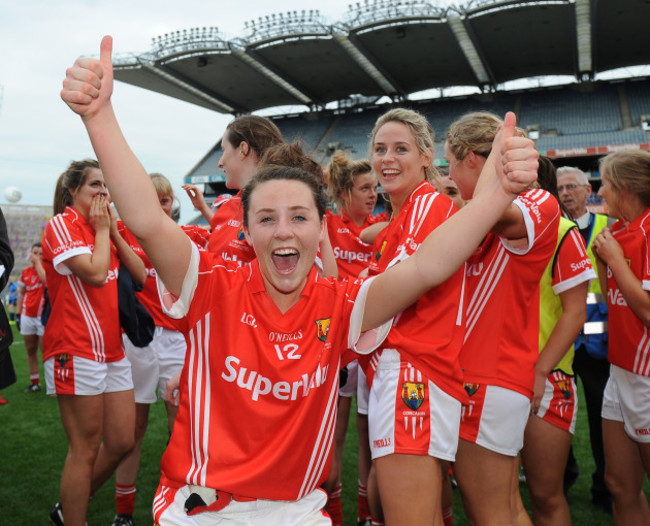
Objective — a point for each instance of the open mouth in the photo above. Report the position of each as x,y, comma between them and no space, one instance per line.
285,259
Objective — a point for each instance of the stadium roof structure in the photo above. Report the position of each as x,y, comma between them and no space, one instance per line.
390,48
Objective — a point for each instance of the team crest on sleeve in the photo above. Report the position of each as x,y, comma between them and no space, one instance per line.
322,328
413,394
471,388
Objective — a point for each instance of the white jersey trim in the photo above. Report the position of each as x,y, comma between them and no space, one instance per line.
178,308
368,341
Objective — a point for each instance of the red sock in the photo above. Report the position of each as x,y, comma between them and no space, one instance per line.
333,507
125,499
35,378
448,516
2,400
377,522
363,508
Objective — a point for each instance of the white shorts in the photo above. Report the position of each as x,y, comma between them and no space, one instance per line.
169,510
152,366
409,414
31,325
559,405
350,386
71,375
363,392
495,418
627,399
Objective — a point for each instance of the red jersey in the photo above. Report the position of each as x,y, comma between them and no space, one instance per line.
148,296
502,317
569,267
259,388
630,347
227,239
84,320
429,334
34,297
352,254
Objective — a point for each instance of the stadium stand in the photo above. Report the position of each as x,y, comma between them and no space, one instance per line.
338,77
25,224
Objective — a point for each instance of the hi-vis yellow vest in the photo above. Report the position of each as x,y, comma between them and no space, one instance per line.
550,304
594,334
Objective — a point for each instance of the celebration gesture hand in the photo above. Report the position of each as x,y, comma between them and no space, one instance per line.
88,84
514,158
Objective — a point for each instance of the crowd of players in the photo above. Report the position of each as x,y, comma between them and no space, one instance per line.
459,341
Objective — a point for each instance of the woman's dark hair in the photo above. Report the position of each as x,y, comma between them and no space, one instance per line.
272,172
258,132
292,154
547,180
72,179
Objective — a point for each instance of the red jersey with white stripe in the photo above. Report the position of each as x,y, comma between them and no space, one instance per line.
148,296
352,254
227,239
85,319
630,347
502,317
34,297
429,334
570,266
259,388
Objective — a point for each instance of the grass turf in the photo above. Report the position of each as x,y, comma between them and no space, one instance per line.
34,448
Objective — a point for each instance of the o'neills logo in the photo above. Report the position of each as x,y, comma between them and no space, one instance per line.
281,337
643,431
260,385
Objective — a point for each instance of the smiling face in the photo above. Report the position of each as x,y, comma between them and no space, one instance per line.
92,186
398,162
362,198
284,229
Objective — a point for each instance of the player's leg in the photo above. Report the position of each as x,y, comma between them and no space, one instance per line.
544,456
624,475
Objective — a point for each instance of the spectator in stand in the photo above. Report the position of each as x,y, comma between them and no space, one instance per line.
31,300
85,364
624,271
499,351
264,453
590,362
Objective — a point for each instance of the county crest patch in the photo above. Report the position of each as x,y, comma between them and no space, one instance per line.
62,359
565,388
240,234
413,394
471,388
380,251
323,327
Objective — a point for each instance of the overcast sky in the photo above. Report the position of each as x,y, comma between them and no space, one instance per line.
39,39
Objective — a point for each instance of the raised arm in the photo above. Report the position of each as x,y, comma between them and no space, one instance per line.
510,168
198,201
87,90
